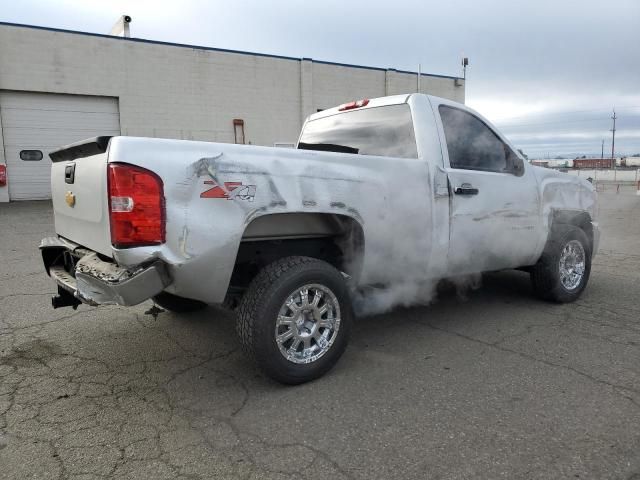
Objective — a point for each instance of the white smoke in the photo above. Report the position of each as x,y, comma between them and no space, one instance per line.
377,300
464,284
382,299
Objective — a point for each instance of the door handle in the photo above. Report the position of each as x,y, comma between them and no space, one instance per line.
70,173
466,189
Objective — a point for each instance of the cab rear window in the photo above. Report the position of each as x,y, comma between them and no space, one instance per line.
384,131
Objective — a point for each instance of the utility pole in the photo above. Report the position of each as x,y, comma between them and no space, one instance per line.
419,75
613,132
602,154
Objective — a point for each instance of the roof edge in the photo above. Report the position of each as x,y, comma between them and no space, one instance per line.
215,49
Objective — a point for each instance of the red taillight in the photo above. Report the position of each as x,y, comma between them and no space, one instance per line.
352,105
136,206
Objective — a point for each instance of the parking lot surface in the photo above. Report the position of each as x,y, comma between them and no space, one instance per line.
498,385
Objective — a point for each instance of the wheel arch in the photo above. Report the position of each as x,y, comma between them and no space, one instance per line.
335,238
576,218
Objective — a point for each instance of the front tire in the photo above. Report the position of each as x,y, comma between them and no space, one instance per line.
295,319
563,271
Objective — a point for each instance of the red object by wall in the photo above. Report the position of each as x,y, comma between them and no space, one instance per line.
3,175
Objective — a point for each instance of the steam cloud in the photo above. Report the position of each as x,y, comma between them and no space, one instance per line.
381,299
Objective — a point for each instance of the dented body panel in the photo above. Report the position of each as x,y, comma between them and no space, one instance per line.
412,224
204,234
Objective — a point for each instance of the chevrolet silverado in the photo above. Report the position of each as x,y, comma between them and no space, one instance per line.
378,192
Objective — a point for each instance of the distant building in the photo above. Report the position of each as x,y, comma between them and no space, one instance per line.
594,163
551,162
630,162
540,163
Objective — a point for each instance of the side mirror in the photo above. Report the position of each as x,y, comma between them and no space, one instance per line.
516,165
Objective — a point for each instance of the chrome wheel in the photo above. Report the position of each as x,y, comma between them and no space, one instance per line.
308,323
572,265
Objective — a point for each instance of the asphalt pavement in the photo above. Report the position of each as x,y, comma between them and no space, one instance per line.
500,385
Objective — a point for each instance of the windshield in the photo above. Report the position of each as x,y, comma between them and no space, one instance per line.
384,131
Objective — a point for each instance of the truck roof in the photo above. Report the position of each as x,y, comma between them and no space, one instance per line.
373,102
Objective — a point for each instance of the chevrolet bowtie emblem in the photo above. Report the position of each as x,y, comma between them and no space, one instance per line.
70,198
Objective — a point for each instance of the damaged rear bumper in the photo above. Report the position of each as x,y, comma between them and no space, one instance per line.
82,277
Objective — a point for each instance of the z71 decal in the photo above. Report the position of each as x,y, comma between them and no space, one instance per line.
231,191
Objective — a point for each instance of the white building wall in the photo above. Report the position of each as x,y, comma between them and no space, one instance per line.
335,84
193,92
453,89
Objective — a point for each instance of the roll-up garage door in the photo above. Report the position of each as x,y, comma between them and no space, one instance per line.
34,124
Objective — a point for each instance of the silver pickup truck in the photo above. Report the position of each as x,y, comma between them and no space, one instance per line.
391,191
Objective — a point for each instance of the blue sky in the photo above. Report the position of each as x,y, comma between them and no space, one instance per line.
547,73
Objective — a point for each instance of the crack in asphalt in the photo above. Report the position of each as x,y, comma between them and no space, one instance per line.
616,388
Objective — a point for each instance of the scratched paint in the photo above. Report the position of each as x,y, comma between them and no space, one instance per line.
409,231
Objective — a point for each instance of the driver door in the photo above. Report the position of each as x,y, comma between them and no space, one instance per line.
494,218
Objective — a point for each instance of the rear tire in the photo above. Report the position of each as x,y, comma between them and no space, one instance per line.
174,303
563,271
295,319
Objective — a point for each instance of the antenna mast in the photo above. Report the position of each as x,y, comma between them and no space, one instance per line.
613,134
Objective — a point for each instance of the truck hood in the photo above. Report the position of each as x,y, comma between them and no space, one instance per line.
562,191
